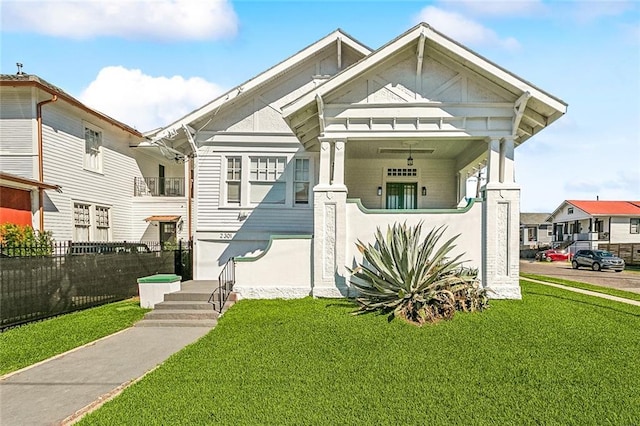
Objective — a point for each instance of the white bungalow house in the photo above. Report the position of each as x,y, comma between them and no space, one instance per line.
535,231
592,224
71,170
295,165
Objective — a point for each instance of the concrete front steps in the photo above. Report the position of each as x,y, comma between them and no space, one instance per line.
188,307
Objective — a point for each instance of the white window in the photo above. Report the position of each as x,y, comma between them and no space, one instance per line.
82,221
102,224
92,149
570,210
301,181
234,173
635,226
265,180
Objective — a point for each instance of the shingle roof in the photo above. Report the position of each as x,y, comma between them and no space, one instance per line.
533,218
616,208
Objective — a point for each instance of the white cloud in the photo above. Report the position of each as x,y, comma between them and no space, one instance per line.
498,8
131,19
143,101
464,30
589,11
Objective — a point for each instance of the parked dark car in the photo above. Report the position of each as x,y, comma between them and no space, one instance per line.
597,260
552,255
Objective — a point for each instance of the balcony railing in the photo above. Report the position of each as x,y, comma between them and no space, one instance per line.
158,187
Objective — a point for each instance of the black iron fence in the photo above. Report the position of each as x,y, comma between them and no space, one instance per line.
41,282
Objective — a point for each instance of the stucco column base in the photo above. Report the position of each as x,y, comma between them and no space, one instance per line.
504,291
267,292
332,292
500,240
329,239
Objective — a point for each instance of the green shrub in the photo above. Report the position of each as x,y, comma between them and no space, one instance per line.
415,281
23,240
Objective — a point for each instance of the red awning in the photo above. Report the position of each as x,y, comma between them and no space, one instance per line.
162,219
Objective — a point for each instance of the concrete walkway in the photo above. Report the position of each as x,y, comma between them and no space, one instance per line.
588,292
59,390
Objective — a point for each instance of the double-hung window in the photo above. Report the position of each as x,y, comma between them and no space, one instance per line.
234,176
266,180
635,226
301,181
102,224
82,221
92,149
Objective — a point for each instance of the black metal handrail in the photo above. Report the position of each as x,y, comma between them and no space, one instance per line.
158,187
226,280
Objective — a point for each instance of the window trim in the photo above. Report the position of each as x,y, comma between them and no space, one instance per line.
97,220
225,192
286,177
100,150
308,182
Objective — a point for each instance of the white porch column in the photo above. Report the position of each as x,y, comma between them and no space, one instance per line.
325,163
329,223
338,163
501,224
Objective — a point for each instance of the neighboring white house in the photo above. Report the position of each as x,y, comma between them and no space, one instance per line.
78,173
296,164
591,223
535,230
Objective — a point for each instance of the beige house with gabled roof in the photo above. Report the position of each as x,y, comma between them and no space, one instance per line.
294,166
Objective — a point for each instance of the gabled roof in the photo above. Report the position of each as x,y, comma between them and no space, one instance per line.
547,108
265,77
534,218
31,80
608,208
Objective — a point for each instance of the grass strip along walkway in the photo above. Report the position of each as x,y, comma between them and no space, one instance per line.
26,345
584,286
554,357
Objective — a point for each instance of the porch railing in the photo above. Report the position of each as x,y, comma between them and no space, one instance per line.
158,187
226,280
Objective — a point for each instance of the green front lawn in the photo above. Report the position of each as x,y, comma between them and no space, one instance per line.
584,286
29,344
556,357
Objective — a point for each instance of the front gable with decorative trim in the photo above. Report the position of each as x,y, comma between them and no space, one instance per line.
302,164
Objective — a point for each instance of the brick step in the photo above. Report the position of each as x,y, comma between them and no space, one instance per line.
181,314
184,305
177,323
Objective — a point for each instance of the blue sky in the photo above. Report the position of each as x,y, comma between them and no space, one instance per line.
147,63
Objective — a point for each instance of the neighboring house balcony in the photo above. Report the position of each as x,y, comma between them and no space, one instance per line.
159,187
585,236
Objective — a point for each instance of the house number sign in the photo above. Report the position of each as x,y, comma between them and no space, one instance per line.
226,235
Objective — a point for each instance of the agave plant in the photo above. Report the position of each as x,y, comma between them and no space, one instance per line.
415,280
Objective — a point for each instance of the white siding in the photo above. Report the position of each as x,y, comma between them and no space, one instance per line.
620,231
143,207
64,146
63,132
259,219
18,146
364,176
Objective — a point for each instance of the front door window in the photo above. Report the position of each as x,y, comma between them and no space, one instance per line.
167,233
402,195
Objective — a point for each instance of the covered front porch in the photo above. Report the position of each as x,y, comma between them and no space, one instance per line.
397,137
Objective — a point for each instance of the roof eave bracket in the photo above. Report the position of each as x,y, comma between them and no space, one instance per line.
320,104
519,107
